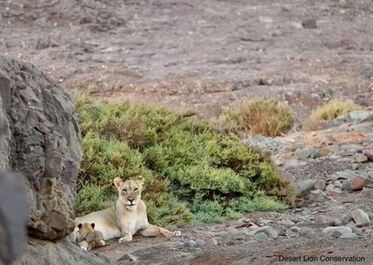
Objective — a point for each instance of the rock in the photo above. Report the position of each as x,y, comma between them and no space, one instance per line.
318,196
367,193
336,231
309,23
40,252
361,158
269,231
295,229
191,244
261,237
360,217
358,183
40,138
307,152
213,241
368,154
349,235
304,186
332,190
13,201
320,184
324,220
348,44
350,149
354,117
129,257
306,231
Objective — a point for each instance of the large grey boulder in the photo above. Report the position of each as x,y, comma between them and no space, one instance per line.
39,136
40,252
13,216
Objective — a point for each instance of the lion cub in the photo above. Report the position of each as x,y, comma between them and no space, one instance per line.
88,238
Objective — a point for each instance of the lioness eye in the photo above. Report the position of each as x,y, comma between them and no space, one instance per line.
136,189
125,190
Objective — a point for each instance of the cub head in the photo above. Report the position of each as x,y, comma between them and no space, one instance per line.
129,191
83,231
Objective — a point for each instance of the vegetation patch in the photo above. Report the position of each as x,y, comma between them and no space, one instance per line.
193,173
333,109
268,117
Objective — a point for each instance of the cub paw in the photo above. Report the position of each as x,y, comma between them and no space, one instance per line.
125,239
84,248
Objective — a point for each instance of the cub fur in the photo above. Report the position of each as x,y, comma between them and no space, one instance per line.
128,216
87,237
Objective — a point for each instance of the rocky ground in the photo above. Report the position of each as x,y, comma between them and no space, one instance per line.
205,54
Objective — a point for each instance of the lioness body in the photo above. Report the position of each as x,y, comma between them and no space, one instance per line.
127,217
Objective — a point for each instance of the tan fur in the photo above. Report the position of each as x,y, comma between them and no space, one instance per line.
87,237
128,216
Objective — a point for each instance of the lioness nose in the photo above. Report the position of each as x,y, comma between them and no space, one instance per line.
130,200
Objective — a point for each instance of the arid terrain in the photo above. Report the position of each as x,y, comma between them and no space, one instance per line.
202,55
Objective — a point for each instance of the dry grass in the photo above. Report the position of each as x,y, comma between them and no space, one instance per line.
334,109
268,117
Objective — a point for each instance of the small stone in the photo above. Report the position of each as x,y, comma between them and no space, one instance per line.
306,231
332,190
265,19
358,183
295,229
351,149
367,193
361,158
348,44
305,186
129,257
213,241
336,231
318,196
360,217
191,244
307,152
269,231
261,237
324,220
310,23
368,154
349,235
320,184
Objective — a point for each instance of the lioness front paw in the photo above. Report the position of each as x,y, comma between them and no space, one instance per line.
102,243
84,248
125,239
177,233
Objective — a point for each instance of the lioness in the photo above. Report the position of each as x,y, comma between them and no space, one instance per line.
127,216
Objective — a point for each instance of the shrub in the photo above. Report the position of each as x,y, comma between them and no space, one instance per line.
334,109
268,117
192,172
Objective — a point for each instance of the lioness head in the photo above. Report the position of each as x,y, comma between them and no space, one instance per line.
84,230
129,190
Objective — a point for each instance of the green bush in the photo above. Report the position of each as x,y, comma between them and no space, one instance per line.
192,172
268,117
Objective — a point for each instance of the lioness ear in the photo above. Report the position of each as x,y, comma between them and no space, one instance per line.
80,226
93,225
118,182
140,179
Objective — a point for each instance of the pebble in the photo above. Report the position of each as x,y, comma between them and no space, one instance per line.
318,196
361,158
358,183
309,23
337,231
269,231
261,237
191,244
360,217
307,152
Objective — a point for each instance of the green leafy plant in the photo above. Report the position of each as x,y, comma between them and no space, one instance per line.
192,172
